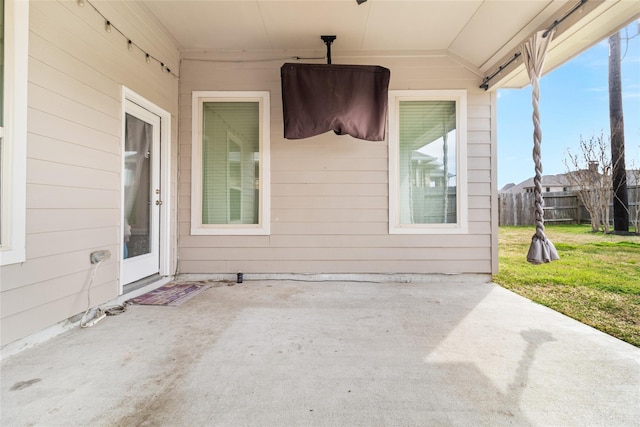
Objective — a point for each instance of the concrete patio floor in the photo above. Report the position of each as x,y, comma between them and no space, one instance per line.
290,353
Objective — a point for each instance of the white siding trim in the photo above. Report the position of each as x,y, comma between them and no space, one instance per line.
460,96
12,248
494,182
264,226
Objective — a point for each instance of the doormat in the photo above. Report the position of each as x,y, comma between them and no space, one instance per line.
171,294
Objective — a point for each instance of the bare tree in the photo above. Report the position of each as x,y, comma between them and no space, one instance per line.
589,174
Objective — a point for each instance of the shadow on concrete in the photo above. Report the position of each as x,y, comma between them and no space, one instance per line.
337,353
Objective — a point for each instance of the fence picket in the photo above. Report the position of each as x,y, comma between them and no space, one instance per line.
559,207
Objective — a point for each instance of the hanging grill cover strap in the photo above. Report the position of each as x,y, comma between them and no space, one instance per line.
348,99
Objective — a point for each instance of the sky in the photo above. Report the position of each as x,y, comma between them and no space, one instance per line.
574,104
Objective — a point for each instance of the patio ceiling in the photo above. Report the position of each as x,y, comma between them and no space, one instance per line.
479,34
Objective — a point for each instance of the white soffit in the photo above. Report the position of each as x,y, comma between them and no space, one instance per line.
480,34
501,23
212,25
299,25
409,25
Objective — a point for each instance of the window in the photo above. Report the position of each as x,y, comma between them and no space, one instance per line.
230,163
14,33
427,162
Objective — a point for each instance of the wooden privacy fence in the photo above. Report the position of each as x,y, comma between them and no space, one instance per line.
559,207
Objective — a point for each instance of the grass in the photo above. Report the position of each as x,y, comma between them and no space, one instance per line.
596,280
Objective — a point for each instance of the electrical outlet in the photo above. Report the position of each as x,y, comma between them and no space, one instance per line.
98,256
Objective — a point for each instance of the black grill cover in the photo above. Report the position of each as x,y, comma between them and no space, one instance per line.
348,99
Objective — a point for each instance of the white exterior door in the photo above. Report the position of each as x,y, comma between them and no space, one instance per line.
142,201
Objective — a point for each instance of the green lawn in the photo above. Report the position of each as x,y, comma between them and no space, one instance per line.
596,280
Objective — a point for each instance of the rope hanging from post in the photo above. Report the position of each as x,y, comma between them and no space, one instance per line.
534,52
537,159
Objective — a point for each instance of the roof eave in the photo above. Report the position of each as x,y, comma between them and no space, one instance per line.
593,22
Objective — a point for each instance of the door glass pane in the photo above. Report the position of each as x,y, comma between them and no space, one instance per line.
230,163
428,177
137,187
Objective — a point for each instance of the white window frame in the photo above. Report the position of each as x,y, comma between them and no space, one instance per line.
460,98
263,226
14,133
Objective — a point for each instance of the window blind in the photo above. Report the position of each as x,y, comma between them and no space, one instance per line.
230,163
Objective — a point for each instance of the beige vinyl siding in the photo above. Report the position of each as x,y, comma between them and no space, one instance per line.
329,194
76,73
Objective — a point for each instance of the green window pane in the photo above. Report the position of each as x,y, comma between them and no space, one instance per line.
427,162
230,163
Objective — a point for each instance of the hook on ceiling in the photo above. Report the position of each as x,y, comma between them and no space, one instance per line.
328,40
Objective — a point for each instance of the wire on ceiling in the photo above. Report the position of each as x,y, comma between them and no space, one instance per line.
284,58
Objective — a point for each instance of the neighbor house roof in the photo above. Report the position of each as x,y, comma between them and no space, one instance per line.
561,180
